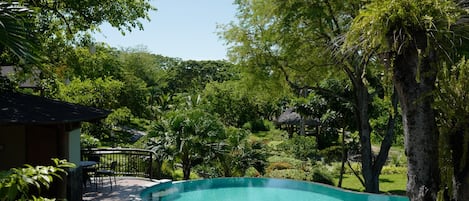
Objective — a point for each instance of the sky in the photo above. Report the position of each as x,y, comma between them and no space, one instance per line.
185,29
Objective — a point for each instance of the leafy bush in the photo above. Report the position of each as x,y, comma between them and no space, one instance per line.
331,154
256,126
166,170
279,159
258,154
17,183
398,160
252,172
302,147
88,141
177,175
389,169
322,176
279,166
290,174
208,171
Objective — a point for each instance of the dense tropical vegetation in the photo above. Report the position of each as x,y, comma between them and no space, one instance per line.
326,91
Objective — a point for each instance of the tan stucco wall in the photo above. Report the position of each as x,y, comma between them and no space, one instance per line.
12,146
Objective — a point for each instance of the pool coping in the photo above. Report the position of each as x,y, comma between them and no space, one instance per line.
287,180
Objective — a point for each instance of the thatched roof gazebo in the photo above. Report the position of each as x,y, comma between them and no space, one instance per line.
293,121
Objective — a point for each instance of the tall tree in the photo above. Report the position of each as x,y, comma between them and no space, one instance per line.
296,41
61,25
194,75
416,36
75,16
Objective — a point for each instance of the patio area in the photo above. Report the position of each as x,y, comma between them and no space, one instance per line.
127,188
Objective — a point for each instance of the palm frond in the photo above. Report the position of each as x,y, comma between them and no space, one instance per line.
15,30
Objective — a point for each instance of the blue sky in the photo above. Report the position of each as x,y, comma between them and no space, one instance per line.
179,28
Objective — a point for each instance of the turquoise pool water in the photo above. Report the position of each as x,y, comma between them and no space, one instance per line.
255,189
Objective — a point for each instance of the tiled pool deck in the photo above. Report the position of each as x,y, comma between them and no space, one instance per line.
127,188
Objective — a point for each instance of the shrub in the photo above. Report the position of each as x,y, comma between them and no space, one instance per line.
390,169
302,147
256,126
331,154
208,171
322,176
19,183
279,166
88,141
252,172
166,170
279,159
178,175
290,174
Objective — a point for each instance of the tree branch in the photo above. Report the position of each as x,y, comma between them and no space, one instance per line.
357,174
387,141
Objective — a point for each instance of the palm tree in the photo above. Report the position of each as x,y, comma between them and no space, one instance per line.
15,33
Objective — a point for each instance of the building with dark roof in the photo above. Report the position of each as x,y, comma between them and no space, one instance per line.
35,129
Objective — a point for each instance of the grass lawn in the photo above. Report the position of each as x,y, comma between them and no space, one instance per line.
389,184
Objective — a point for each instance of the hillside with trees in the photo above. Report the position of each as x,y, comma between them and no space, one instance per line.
327,91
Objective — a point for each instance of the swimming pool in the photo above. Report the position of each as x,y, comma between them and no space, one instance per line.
255,189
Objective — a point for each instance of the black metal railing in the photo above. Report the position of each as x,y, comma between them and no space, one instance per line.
130,162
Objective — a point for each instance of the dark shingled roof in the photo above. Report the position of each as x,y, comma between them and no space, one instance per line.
18,108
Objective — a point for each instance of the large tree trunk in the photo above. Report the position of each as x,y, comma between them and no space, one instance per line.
414,79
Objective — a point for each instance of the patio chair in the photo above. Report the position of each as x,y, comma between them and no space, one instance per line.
111,172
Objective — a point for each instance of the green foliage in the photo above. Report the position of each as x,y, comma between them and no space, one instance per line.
391,25
331,154
15,35
88,141
236,154
101,62
278,166
322,176
389,169
256,126
302,147
19,183
135,96
190,76
191,135
177,175
290,174
100,93
379,121
289,160
72,17
453,118
237,106
252,172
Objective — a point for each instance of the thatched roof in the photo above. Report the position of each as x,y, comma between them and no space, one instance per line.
290,117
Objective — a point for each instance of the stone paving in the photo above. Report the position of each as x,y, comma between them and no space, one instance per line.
127,188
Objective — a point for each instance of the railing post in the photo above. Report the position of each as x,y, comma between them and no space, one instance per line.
151,165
